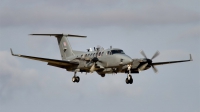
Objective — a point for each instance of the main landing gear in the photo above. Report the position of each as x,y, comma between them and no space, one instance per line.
75,78
129,79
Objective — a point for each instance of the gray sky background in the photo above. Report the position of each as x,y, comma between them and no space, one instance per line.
170,26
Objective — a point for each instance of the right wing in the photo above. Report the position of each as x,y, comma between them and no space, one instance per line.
52,62
170,62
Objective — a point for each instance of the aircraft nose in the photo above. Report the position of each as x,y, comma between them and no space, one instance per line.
125,59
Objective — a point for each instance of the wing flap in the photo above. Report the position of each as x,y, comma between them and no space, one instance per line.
57,65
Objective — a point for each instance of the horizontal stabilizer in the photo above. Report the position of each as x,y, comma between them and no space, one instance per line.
56,35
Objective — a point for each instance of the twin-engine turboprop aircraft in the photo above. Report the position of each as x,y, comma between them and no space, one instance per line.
102,61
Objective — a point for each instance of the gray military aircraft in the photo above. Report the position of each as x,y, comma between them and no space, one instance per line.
102,61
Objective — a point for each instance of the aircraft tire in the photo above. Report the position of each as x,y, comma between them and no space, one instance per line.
131,81
77,79
73,79
127,81
102,75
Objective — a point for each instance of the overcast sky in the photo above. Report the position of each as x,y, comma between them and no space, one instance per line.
169,26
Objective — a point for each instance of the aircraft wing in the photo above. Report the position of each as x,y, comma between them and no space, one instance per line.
52,62
170,62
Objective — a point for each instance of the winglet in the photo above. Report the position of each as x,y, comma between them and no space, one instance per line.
11,51
191,58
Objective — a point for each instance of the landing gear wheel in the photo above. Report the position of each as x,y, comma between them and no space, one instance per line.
77,79
131,81
102,75
127,81
73,79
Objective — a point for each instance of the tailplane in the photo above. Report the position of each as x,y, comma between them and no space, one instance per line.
63,43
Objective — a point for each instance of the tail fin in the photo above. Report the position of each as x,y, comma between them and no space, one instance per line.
63,42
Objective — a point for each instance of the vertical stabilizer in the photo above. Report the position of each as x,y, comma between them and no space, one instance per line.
65,47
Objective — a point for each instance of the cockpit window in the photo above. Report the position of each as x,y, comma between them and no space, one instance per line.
117,51
109,53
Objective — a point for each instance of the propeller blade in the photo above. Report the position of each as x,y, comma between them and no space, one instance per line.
92,68
154,69
155,55
143,54
143,67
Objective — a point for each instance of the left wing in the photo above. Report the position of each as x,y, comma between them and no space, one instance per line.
170,62
52,62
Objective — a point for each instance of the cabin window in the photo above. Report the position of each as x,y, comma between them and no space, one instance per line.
109,53
102,53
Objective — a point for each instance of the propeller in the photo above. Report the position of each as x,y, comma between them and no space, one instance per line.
149,61
94,60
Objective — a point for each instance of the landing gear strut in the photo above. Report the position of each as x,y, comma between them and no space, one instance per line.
75,78
129,79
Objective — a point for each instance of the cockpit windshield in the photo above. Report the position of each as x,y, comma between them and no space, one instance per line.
117,51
